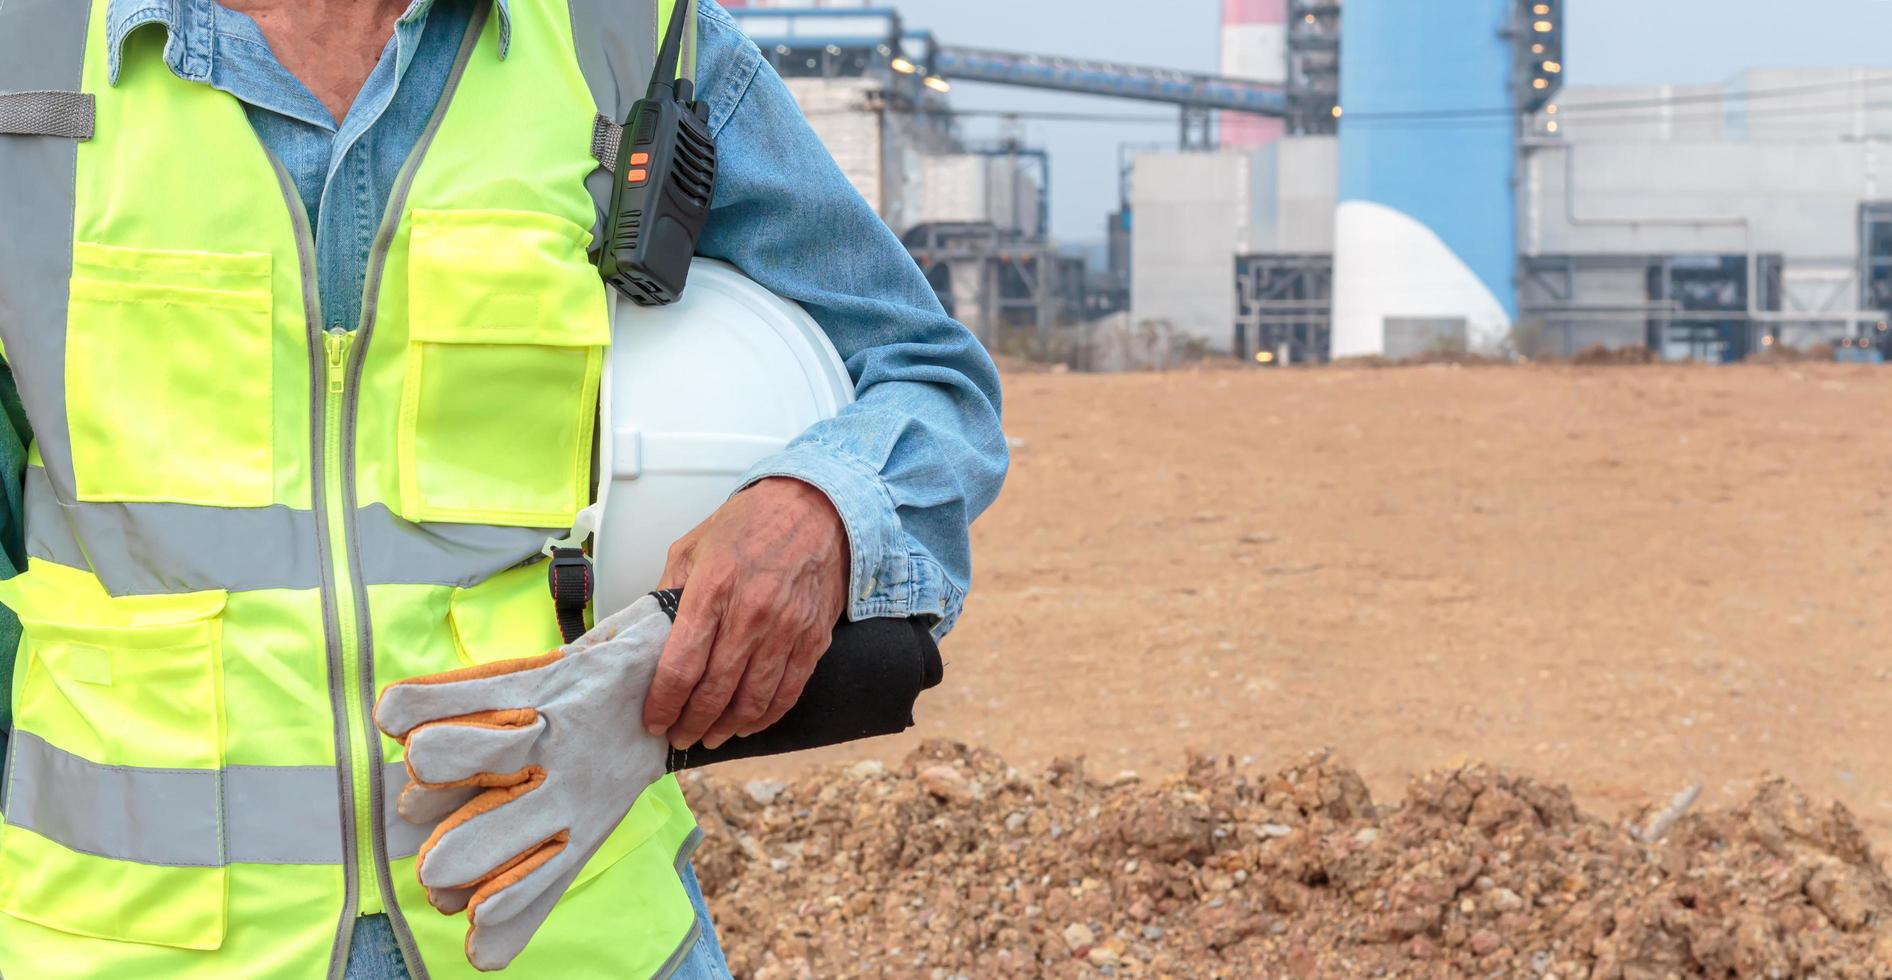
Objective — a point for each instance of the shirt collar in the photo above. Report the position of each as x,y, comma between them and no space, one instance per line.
189,27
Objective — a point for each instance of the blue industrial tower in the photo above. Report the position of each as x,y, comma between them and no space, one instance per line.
1425,246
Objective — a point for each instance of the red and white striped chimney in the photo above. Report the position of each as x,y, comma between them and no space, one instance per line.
1255,47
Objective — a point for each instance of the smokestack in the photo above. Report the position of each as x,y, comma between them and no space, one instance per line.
1254,47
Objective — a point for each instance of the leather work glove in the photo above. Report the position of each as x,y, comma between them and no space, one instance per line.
528,765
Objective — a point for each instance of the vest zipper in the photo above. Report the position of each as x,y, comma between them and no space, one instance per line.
359,667
334,385
323,400
363,743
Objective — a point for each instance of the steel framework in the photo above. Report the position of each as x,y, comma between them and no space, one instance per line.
1313,66
1283,307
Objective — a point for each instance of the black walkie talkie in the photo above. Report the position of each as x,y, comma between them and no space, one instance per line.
666,171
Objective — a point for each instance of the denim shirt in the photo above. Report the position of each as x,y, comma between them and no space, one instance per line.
908,465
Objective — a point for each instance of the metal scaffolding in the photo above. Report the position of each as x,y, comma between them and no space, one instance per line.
988,279
1284,307
1313,66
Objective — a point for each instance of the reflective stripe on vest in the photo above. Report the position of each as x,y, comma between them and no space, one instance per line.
255,547
241,524
184,817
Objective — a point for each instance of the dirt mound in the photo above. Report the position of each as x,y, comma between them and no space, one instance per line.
955,864
1597,355
1782,354
1447,358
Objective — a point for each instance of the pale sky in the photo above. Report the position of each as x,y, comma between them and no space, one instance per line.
1633,42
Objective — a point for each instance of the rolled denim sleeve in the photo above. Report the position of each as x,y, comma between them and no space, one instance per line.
919,453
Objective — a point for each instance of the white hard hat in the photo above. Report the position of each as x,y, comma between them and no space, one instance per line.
693,395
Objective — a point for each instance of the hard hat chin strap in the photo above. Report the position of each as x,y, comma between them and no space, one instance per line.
569,574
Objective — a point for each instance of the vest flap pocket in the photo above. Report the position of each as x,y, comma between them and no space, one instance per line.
508,615
503,277
114,810
168,365
507,326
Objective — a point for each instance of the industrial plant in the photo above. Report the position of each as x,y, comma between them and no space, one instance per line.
1376,178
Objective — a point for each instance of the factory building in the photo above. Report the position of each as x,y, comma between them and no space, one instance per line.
1381,178
1194,214
973,214
1709,222
1471,201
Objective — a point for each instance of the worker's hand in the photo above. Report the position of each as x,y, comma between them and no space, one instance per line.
768,579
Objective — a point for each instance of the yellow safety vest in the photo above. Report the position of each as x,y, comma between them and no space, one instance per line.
242,523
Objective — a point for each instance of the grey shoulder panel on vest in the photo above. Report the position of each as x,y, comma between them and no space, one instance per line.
616,41
42,48
42,44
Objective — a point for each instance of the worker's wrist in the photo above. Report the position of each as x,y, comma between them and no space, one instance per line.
860,500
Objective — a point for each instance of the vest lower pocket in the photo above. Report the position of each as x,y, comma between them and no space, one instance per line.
168,376
509,615
114,810
506,327
647,816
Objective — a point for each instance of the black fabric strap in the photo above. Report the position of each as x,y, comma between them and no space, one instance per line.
569,574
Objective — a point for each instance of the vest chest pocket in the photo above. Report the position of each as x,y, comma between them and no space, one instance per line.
507,326
168,388
114,809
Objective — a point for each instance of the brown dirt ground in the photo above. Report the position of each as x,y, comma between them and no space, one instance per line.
1625,579
1619,579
